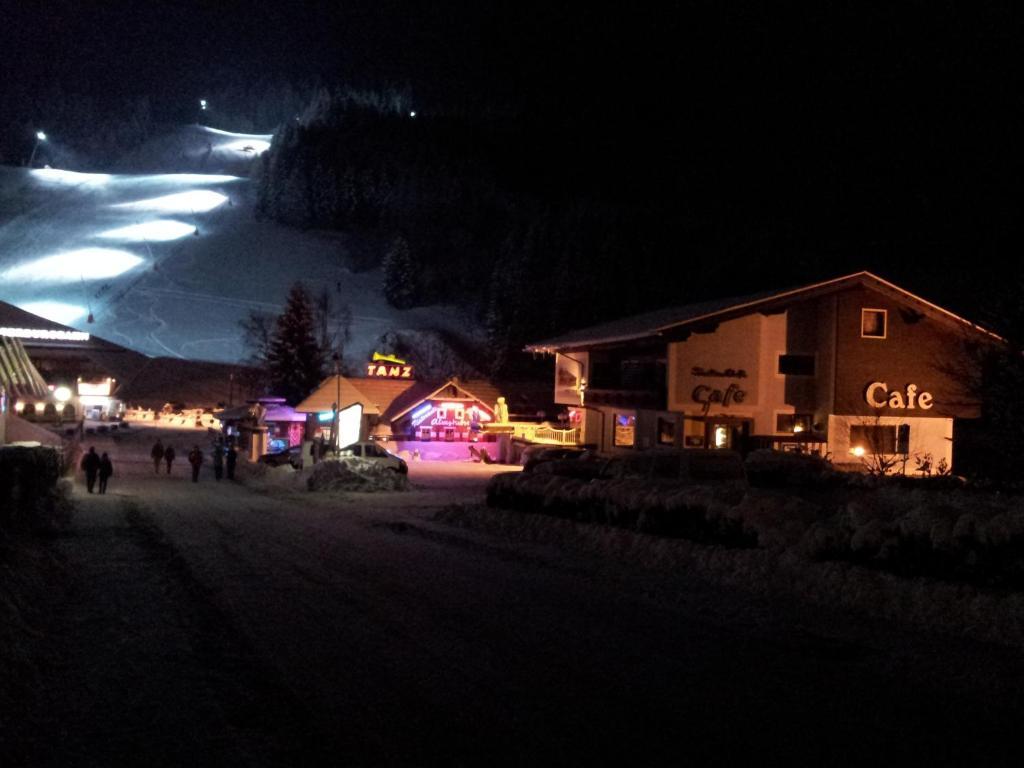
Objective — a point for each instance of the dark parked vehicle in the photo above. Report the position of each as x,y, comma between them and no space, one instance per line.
291,456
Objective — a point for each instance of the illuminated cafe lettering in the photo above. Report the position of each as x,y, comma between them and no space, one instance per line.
878,395
706,396
728,373
382,371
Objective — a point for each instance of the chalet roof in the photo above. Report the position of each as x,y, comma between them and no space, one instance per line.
652,325
391,398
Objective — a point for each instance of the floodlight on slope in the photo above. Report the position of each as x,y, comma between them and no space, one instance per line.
194,201
96,263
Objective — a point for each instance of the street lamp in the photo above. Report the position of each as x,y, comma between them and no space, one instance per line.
202,104
337,400
40,137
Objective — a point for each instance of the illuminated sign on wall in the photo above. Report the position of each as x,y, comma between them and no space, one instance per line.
388,367
102,389
707,396
48,335
878,395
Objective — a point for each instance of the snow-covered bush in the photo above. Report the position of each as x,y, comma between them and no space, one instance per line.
353,474
778,469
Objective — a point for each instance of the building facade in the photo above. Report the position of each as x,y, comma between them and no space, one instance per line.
855,368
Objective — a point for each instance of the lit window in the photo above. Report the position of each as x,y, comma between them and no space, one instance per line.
666,431
625,431
872,323
872,439
793,422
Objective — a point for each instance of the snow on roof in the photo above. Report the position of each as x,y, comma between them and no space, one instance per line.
652,324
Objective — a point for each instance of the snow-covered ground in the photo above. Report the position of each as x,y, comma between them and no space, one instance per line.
169,263
210,624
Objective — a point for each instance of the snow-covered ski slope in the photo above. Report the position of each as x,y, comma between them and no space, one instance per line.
169,263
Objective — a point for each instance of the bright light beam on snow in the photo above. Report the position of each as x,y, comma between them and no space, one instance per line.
196,201
92,263
57,311
58,176
159,231
183,178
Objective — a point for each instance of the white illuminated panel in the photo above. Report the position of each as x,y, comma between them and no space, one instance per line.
350,422
158,231
196,201
94,263
44,334
58,176
89,389
57,311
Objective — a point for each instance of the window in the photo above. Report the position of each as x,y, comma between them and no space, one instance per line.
625,431
666,431
872,323
793,422
875,439
796,365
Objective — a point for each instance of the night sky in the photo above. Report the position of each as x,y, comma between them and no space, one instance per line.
814,139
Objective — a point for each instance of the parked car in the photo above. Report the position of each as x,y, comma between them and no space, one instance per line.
292,455
374,452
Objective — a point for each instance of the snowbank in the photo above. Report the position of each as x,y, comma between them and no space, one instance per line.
346,475
956,609
956,535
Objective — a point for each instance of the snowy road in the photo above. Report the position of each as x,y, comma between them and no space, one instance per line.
209,620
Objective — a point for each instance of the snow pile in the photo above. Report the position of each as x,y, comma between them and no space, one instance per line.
352,474
777,469
959,536
957,609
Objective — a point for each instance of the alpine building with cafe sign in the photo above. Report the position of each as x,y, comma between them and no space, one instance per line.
845,368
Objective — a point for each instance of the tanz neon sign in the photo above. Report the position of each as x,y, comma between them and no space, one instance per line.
388,367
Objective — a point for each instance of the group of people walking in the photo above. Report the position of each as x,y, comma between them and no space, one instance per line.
221,455
100,468
97,467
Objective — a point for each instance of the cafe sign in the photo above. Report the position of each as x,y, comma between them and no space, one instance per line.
878,395
708,396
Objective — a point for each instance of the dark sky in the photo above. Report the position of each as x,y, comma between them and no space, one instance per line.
893,130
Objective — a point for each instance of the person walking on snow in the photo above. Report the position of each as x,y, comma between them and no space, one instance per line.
169,458
218,461
106,470
91,465
231,459
157,454
195,458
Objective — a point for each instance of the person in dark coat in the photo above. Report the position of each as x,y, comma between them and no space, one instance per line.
195,458
232,458
218,461
157,454
91,465
106,470
169,458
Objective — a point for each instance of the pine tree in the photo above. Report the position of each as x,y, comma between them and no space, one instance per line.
295,358
399,275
